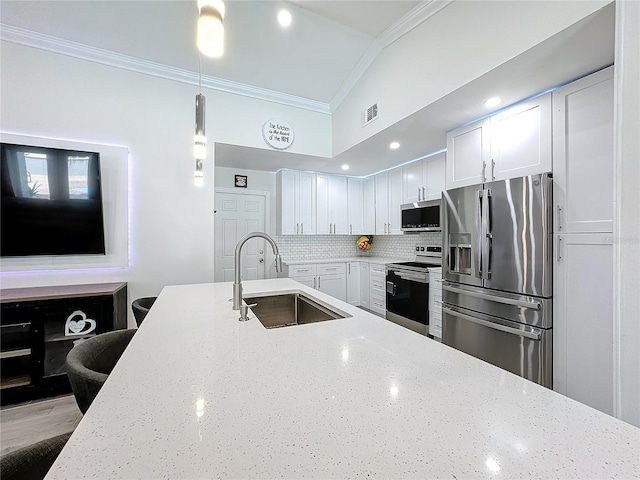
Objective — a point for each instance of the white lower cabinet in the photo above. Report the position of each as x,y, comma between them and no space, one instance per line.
378,294
329,278
435,303
353,283
583,319
365,285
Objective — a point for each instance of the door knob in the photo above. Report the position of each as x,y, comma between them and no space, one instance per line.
261,260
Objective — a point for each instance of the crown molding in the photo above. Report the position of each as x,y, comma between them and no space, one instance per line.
411,20
408,22
57,45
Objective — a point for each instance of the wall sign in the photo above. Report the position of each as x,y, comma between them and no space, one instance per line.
277,134
241,181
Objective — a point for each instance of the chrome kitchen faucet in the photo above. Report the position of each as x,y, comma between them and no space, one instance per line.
237,283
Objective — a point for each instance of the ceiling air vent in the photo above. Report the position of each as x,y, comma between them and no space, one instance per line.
370,114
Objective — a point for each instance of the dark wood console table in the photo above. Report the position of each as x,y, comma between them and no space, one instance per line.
40,325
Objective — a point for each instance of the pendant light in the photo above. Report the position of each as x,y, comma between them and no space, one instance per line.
210,27
199,139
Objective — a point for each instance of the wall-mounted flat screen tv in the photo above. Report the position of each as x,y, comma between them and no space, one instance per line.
51,202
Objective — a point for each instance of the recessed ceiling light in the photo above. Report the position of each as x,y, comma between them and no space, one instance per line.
394,145
284,18
345,167
492,102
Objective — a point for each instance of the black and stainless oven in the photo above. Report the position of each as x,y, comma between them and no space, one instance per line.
407,289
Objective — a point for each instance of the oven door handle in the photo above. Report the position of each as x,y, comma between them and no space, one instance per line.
391,288
507,301
415,277
495,326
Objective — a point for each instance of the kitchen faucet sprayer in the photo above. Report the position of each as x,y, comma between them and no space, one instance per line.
237,283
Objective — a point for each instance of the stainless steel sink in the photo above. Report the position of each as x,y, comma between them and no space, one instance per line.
290,309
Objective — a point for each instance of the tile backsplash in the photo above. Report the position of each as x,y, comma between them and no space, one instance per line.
320,247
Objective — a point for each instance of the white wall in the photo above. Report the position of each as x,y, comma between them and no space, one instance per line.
627,211
462,42
171,221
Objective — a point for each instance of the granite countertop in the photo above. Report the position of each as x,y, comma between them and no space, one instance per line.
198,394
360,258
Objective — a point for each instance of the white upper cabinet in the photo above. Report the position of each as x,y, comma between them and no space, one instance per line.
468,152
369,205
388,198
435,173
413,178
424,179
355,205
521,140
332,216
382,203
296,196
583,154
512,143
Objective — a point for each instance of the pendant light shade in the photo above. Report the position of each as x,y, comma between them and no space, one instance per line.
211,28
199,139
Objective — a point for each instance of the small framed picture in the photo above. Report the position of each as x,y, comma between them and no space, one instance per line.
241,181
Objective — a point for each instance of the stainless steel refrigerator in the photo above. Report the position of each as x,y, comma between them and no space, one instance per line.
497,271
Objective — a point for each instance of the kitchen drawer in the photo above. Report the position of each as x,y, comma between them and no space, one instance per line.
331,268
435,301
378,287
302,270
435,323
376,270
378,304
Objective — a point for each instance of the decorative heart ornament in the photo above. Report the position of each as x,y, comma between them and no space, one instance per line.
78,324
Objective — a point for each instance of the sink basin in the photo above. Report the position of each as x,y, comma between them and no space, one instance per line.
289,309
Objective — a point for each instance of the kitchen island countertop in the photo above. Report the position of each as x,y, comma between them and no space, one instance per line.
198,394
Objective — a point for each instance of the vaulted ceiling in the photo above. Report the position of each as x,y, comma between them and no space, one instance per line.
311,63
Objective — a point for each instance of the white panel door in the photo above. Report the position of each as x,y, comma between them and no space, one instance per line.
583,154
334,285
236,215
382,203
395,200
434,172
521,140
369,205
583,319
468,151
355,205
353,283
306,205
413,182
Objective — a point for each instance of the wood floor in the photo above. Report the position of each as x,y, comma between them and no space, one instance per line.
29,423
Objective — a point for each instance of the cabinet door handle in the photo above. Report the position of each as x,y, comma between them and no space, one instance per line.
349,266
350,229
559,217
297,227
493,168
318,283
419,197
424,195
314,282
484,170
558,250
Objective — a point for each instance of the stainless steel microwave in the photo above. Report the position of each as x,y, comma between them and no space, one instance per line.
421,216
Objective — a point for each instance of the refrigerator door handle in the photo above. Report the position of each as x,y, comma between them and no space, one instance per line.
488,233
495,326
507,301
478,251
